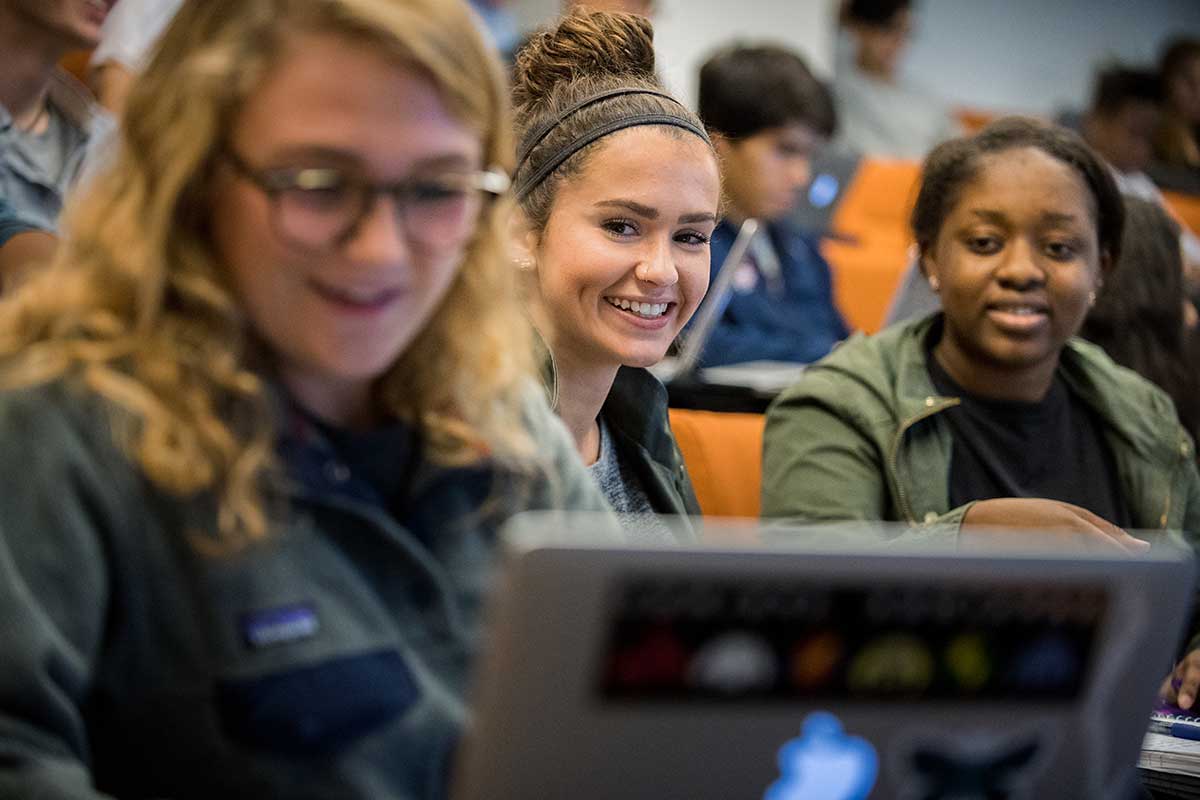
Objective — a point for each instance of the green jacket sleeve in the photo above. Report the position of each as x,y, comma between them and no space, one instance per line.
55,515
822,463
818,465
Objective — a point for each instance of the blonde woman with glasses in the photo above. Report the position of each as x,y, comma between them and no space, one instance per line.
263,416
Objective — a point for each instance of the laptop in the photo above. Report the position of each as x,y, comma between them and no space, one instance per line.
802,671
832,173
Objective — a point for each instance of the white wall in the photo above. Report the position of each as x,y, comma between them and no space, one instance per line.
687,31
1035,56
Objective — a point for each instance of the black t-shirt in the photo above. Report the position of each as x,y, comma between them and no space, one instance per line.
1053,449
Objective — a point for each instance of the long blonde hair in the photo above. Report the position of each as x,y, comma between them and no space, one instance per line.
137,305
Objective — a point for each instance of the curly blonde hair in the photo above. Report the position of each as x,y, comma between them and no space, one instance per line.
138,307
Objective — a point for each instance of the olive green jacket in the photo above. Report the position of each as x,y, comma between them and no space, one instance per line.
862,436
330,660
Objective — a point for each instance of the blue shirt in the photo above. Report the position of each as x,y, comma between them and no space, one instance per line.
11,223
791,319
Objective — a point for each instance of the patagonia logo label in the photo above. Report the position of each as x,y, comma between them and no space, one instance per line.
279,625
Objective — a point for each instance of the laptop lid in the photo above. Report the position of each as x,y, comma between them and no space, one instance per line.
708,313
790,672
832,174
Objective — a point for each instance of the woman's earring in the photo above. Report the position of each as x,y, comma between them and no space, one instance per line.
1091,299
525,264
934,284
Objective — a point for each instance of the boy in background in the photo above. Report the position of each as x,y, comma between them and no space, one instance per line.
767,113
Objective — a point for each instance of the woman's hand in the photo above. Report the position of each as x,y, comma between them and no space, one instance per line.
1076,524
1183,683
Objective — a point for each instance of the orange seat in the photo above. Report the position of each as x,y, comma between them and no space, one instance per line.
973,120
873,215
723,453
1185,208
76,63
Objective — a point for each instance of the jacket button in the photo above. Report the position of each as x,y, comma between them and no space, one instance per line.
930,517
929,401
337,472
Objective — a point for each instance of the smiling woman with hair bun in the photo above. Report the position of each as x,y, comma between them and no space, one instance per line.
619,190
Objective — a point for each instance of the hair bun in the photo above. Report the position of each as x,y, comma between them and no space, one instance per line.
584,45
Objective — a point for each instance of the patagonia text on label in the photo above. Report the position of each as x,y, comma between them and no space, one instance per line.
279,625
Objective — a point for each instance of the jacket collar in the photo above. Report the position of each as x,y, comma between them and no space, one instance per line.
1086,370
635,406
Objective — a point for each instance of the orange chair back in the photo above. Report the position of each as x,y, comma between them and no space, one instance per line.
1185,208
874,214
723,453
76,63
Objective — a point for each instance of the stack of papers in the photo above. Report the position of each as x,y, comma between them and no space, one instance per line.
1170,754
767,377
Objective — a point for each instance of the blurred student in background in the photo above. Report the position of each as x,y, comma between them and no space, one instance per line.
1126,107
1178,139
48,120
264,415
767,113
1143,318
990,413
130,32
879,114
619,190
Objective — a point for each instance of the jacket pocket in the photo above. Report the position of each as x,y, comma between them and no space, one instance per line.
318,709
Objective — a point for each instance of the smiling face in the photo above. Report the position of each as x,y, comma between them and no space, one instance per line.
764,172
337,318
624,258
1016,260
73,23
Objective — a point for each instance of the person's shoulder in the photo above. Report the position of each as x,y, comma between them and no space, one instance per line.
53,414
1092,359
78,105
1135,400
59,434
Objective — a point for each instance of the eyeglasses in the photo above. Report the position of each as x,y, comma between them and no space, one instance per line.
319,208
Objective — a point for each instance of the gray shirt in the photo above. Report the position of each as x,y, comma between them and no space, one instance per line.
36,170
624,492
890,120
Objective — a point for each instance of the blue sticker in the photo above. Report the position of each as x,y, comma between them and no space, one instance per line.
824,763
281,625
823,190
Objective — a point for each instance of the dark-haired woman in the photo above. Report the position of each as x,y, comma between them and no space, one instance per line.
1177,143
990,413
618,188
1142,317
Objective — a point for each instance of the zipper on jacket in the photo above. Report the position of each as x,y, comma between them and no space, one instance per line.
1184,451
899,437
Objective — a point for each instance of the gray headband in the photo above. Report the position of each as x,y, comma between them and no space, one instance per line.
587,137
